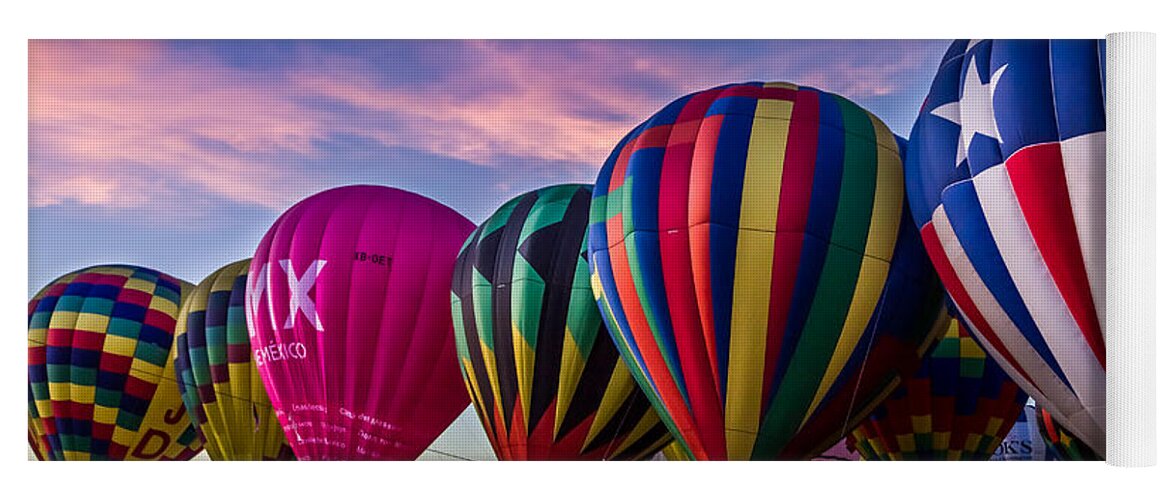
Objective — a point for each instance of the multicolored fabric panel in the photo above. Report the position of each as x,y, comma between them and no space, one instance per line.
1006,175
36,445
99,367
542,372
1059,440
958,406
676,452
221,388
752,255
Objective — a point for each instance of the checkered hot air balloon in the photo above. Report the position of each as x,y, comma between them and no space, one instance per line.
217,376
1006,172
542,371
755,262
100,376
349,309
958,406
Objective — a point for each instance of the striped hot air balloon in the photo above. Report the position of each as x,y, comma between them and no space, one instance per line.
1006,177
958,406
100,374
753,257
542,371
217,376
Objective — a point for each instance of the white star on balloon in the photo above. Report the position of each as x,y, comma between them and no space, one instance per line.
973,111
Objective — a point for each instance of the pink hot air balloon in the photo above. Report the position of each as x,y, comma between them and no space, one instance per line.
350,317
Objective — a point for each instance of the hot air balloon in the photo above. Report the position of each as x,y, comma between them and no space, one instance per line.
753,258
1006,180
349,312
542,371
1060,441
958,406
217,377
100,375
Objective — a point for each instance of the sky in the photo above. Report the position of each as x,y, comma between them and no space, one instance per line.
178,155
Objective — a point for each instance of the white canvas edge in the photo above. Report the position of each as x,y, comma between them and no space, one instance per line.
1130,249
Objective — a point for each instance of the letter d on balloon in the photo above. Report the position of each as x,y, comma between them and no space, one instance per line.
140,450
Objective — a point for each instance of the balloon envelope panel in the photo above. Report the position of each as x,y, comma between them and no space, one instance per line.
100,373
1063,444
217,377
676,452
958,406
35,444
749,251
543,373
1006,178
348,305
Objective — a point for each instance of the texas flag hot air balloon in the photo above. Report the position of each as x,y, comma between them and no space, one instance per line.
349,312
1006,177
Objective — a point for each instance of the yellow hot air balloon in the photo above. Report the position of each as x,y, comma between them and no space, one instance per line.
221,388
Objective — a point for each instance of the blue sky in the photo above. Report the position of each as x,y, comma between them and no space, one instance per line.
178,155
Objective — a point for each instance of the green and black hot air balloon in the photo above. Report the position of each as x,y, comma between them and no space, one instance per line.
544,375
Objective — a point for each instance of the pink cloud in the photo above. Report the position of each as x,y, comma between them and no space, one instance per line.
140,120
133,119
532,114
505,105
879,73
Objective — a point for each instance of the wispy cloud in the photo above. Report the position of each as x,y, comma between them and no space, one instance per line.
120,124
503,104
148,125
